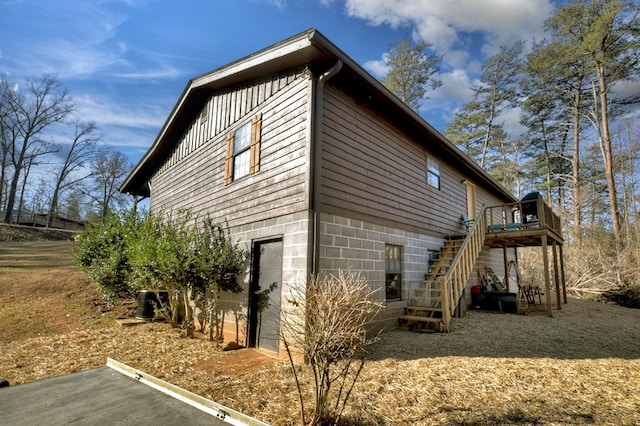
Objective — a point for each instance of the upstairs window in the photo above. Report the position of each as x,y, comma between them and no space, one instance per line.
243,150
433,172
393,271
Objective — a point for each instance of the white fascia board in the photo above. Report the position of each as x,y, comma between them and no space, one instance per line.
250,62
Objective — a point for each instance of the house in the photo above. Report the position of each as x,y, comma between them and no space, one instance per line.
316,166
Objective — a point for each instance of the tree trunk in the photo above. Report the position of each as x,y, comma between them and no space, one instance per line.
188,313
575,172
11,197
53,207
608,157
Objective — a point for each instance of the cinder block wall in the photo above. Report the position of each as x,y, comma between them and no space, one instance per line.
294,231
360,246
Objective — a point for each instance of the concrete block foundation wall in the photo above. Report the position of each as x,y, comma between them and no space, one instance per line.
360,246
294,230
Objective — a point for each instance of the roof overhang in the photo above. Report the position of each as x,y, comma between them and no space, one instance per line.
307,48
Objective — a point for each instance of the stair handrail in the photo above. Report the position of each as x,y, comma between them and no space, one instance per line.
454,281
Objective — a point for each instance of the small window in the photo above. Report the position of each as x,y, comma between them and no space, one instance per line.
243,150
393,271
433,172
241,154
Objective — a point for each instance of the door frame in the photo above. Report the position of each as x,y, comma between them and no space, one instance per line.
472,201
252,310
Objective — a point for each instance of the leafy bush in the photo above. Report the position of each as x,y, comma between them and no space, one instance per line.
219,262
101,252
132,250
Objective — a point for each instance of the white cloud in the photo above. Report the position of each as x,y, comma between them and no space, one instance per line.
445,22
377,67
142,115
70,60
456,86
510,120
626,90
165,71
76,40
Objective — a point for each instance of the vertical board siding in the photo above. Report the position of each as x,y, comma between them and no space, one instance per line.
372,171
193,178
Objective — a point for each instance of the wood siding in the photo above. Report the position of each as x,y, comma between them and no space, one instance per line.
193,176
372,171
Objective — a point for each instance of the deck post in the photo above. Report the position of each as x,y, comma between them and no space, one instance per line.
506,265
564,283
556,273
547,280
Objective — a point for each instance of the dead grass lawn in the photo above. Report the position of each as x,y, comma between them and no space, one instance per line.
580,367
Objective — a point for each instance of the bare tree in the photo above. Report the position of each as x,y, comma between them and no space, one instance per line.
108,168
77,155
26,115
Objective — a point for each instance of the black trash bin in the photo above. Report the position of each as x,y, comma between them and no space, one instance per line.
148,300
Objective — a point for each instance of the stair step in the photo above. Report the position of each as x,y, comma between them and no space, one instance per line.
445,256
423,308
416,318
438,274
456,237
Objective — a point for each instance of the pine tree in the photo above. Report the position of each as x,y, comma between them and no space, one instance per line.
411,71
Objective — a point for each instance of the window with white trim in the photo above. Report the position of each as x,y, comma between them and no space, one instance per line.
243,150
433,172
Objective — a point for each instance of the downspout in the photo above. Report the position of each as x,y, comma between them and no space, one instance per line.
317,159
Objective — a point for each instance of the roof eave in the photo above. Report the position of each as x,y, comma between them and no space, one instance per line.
257,64
397,103
304,48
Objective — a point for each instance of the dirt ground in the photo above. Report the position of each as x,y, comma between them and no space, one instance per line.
582,366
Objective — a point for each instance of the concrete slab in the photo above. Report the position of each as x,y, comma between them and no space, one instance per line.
98,396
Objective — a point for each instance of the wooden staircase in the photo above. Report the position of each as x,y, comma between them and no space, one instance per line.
424,306
432,302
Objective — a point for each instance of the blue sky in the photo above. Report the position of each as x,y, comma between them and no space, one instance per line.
126,62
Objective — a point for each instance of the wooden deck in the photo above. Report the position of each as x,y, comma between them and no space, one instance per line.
527,223
523,224
530,223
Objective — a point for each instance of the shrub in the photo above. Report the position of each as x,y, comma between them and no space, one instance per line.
220,261
101,252
132,250
328,323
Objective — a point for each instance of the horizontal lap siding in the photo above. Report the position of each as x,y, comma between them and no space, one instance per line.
374,172
197,182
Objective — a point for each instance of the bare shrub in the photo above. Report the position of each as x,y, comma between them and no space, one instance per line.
591,269
530,266
328,324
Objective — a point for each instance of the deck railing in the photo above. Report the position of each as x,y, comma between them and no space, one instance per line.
523,215
452,284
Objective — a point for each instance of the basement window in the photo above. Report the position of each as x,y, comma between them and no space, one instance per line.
393,271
